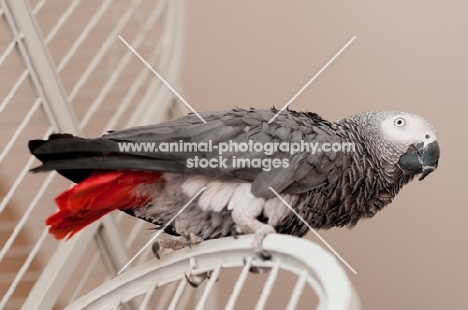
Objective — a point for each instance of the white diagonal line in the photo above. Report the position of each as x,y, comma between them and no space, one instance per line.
160,231
312,79
313,230
162,79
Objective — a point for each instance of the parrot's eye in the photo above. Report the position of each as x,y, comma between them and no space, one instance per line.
400,122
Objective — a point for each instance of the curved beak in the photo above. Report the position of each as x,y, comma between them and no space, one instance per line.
429,154
420,158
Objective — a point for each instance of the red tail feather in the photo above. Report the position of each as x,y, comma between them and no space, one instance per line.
94,197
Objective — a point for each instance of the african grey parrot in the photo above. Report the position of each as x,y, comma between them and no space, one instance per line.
327,189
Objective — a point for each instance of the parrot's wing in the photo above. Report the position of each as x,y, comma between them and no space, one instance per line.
297,173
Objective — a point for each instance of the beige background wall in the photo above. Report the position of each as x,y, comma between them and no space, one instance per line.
409,56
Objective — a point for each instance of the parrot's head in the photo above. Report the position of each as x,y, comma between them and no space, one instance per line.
415,139
405,140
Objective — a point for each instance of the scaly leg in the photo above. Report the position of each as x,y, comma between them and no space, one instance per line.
249,224
161,244
175,244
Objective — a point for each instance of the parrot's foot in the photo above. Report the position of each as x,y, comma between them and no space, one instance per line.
193,239
258,270
257,243
175,244
172,244
196,280
248,223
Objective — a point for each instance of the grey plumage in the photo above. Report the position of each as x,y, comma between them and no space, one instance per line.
328,189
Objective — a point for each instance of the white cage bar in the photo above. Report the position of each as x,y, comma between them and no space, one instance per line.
311,263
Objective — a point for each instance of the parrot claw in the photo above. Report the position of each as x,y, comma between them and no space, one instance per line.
196,280
156,247
264,255
234,232
257,270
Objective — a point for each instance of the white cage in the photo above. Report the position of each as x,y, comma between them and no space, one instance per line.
63,69
292,254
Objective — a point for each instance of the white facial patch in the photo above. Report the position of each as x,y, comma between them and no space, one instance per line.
409,128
